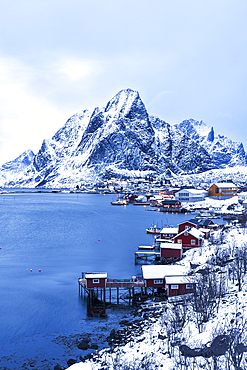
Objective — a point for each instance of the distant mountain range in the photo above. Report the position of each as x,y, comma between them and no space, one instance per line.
121,140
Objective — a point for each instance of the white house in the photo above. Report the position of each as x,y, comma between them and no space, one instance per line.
191,195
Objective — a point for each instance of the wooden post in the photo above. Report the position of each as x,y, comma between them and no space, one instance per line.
117,295
110,295
104,294
129,295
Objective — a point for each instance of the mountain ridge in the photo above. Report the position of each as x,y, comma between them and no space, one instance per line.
122,139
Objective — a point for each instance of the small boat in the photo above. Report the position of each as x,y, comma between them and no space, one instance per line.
120,202
153,230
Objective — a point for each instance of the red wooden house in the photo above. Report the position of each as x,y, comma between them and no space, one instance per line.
171,250
154,276
179,285
189,238
168,232
96,280
197,223
174,278
171,205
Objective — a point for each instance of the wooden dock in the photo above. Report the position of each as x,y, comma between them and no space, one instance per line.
114,290
140,255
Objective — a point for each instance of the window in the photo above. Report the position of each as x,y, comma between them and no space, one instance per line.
216,190
186,233
160,281
189,286
193,242
180,241
174,286
96,281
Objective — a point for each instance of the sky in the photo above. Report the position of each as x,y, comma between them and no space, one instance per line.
187,59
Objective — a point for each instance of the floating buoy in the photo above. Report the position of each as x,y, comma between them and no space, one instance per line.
39,270
0,247
31,270
98,240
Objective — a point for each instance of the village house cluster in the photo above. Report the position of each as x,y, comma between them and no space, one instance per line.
170,243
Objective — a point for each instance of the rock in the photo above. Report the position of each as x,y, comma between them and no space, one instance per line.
125,322
112,333
94,346
58,367
84,344
71,361
162,337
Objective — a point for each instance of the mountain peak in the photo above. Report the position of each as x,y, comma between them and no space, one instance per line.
122,140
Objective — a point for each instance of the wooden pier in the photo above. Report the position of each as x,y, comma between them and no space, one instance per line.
140,255
114,290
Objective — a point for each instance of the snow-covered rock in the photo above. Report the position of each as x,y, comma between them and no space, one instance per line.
223,151
123,140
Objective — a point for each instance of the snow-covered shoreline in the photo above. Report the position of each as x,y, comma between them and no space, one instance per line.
156,347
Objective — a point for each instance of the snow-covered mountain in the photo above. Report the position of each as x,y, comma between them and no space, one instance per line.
223,151
12,169
118,140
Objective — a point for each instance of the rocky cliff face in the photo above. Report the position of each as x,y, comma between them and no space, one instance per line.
223,151
121,140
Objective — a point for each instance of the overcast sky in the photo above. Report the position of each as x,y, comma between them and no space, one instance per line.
187,59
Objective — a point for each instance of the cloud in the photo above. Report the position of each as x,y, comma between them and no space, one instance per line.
26,118
74,69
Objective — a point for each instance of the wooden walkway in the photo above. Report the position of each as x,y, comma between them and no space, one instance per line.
116,289
115,283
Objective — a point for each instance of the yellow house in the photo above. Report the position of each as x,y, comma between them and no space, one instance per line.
222,190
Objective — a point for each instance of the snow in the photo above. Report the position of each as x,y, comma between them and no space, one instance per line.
153,345
161,271
171,245
123,140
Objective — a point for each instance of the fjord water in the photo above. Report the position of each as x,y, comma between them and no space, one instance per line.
61,234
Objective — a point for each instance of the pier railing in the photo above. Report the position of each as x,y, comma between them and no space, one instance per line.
118,283
124,283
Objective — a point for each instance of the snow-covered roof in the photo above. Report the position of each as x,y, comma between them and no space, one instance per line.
193,191
160,240
181,279
101,275
225,185
195,232
171,245
161,271
204,230
169,230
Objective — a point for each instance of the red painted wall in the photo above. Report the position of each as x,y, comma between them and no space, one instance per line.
149,283
186,241
180,291
166,252
164,236
181,227
101,283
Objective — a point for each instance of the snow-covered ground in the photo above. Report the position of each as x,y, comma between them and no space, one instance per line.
157,347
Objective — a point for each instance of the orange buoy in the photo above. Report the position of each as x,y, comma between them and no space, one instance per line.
98,240
39,270
31,270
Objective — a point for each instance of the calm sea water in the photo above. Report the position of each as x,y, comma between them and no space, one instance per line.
61,235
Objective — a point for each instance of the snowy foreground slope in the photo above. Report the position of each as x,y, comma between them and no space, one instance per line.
176,336
123,140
